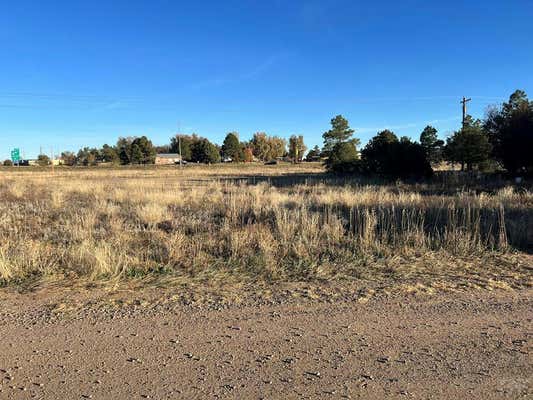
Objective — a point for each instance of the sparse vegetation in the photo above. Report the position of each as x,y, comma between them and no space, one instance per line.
252,223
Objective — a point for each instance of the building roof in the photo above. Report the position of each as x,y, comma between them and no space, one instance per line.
168,155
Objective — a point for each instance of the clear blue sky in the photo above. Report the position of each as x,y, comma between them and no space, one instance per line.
75,73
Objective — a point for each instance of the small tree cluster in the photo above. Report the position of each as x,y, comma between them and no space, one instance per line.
510,131
135,150
505,137
387,156
297,148
194,148
266,147
129,150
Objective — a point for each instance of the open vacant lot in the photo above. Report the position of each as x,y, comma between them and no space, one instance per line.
257,225
261,282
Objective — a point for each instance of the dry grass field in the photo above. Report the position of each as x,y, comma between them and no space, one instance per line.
261,226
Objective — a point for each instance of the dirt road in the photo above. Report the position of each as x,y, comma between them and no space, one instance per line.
445,346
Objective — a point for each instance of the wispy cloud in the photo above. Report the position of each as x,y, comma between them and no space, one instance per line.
254,72
116,105
33,100
260,68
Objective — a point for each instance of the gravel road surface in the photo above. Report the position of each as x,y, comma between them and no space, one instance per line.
467,346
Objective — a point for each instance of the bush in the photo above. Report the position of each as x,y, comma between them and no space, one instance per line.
411,160
389,157
43,160
343,158
8,163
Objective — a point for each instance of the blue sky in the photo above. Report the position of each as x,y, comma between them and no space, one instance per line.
75,73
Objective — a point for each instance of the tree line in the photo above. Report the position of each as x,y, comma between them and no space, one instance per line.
502,140
193,148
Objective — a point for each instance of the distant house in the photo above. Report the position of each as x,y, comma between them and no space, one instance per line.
167,159
55,162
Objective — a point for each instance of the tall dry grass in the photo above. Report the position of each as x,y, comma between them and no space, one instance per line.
224,223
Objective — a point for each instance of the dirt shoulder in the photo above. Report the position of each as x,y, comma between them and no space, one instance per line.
475,346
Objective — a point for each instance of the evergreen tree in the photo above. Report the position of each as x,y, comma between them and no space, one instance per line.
431,144
146,152
313,154
232,148
203,151
109,154
136,154
343,158
124,149
469,146
378,155
186,142
340,132
135,150
386,156
510,130
339,146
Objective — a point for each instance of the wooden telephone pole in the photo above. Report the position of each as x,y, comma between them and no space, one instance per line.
179,144
464,103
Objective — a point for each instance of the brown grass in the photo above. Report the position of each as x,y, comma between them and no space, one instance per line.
246,224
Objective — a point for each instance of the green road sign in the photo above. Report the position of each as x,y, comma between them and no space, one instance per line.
15,155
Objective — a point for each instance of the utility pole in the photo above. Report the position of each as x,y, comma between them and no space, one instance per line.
464,103
179,144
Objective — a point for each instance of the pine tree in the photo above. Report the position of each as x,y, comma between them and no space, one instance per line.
431,144
340,132
510,130
469,146
231,148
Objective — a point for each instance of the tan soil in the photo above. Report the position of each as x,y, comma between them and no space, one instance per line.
458,346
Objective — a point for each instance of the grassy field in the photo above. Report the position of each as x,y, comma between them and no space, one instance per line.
257,225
